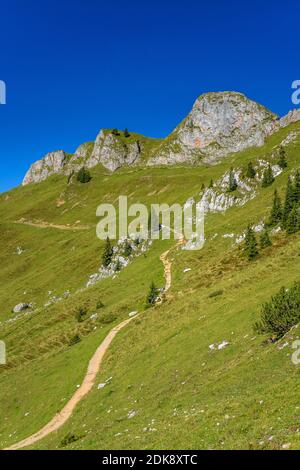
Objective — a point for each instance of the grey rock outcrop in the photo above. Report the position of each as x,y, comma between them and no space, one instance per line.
20,307
219,124
112,152
52,163
292,116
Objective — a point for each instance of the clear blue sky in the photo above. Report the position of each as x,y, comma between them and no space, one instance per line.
72,67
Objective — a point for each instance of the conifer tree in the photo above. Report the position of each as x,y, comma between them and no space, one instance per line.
282,161
83,176
293,222
250,248
268,177
289,202
126,133
211,184
250,171
107,253
127,249
118,265
297,187
265,239
276,212
232,185
152,295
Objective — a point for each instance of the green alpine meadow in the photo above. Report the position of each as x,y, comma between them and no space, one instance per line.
138,343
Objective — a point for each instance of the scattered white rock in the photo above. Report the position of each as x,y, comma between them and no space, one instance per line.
284,345
186,270
19,250
131,414
102,385
223,345
132,314
20,307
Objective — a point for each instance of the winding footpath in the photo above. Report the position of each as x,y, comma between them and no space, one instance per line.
43,224
93,368
168,264
87,384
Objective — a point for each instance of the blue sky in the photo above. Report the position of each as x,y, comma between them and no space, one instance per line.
72,67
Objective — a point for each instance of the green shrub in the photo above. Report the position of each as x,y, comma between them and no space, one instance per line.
265,240
215,293
68,439
74,340
80,314
83,176
281,312
250,173
99,305
108,318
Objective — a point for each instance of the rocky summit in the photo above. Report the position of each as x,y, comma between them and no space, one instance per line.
219,124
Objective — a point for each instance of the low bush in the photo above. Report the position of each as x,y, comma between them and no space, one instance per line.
80,314
68,439
216,293
74,340
281,312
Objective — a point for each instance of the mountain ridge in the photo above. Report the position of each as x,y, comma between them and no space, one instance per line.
220,123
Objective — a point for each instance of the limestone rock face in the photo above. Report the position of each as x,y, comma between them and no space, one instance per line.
292,116
52,163
219,124
112,152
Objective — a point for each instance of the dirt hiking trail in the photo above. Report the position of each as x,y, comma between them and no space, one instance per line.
86,386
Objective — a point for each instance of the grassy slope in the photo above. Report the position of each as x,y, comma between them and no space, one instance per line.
161,364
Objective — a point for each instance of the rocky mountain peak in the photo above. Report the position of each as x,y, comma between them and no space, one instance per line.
51,163
218,124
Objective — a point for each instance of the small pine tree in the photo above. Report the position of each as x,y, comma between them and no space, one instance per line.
127,249
83,176
289,202
115,132
152,295
297,187
211,183
282,161
202,187
250,248
118,265
268,177
276,212
107,253
250,173
126,133
232,184
265,239
292,223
